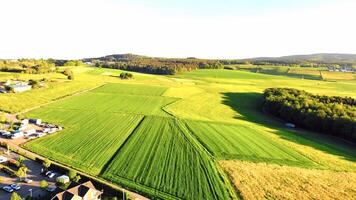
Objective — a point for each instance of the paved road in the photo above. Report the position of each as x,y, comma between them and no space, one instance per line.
34,173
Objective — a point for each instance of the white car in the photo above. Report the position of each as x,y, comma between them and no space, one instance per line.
51,175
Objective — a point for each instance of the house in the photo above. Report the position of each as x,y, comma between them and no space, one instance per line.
84,191
63,179
21,88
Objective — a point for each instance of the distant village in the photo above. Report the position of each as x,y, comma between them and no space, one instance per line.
345,68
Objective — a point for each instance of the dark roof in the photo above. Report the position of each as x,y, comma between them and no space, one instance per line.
79,190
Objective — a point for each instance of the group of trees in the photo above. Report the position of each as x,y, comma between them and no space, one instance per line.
154,65
325,114
69,73
125,75
73,63
30,66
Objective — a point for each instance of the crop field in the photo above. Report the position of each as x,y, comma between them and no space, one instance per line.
131,89
161,155
89,140
170,137
270,181
243,142
105,102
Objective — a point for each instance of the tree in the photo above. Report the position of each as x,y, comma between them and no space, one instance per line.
43,184
46,163
21,172
72,174
20,159
76,178
20,116
15,196
68,72
28,197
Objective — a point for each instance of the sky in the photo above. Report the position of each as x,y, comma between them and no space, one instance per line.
72,29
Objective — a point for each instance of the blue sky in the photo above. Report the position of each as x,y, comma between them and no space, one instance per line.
205,29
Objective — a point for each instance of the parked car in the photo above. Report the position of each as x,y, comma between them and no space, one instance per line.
48,172
8,189
7,135
51,189
15,186
51,175
26,180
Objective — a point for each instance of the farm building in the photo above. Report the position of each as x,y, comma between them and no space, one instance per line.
21,88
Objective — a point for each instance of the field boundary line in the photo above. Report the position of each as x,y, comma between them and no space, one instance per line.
107,164
163,108
60,98
201,149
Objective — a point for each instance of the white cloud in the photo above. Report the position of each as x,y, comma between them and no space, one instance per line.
75,29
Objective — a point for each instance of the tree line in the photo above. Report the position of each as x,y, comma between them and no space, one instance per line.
151,65
30,66
325,114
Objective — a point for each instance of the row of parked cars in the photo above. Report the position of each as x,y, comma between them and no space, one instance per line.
11,188
31,133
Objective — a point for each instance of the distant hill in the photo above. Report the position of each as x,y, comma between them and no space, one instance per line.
315,58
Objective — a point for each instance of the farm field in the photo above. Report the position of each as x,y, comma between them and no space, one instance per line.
168,160
243,143
270,181
186,127
89,139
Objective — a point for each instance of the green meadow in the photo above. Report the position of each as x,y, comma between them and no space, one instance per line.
165,136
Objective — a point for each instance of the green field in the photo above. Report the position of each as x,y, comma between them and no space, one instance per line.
89,140
244,143
163,135
162,155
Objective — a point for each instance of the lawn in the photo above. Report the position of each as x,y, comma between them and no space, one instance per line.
162,156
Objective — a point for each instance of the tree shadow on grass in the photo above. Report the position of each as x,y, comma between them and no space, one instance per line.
248,106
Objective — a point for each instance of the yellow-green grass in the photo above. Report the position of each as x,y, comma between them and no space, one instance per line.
115,103
208,96
227,141
337,76
57,86
131,89
270,181
161,158
89,139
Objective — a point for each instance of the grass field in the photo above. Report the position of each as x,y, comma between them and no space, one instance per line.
244,143
265,181
89,140
168,160
191,121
